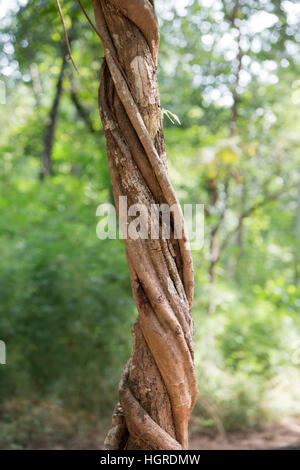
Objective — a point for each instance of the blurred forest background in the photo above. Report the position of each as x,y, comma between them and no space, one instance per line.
230,70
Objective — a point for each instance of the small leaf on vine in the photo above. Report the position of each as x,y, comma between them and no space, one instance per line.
172,116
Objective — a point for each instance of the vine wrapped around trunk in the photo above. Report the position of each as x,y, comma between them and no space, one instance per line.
158,388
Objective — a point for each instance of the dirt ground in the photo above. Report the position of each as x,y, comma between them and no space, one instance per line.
286,434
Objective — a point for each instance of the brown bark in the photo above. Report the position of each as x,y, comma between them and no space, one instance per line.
158,388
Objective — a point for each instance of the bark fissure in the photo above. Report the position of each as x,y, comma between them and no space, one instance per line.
158,387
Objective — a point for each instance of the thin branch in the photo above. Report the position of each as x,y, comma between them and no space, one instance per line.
104,43
235,12
66,35
89,20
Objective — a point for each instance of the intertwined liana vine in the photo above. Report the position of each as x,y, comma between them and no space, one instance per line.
158,389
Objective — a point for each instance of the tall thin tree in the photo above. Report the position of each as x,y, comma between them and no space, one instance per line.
51,121
158,388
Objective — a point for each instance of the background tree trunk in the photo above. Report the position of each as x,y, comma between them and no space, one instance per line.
51,122
158,387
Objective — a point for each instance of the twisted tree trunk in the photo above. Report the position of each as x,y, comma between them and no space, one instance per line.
158,388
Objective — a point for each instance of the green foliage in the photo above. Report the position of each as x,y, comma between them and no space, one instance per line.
59,301
35,424
247,363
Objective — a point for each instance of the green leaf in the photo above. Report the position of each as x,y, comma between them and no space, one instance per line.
172,116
